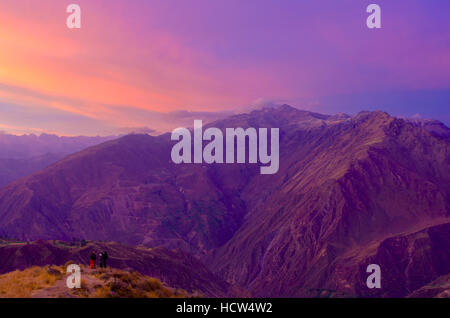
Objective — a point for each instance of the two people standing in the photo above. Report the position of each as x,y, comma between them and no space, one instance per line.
103,256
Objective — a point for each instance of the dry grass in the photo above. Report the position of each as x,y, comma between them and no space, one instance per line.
117,283
49,281
21,284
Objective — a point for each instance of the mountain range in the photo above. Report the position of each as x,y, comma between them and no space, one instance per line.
350,191
26,154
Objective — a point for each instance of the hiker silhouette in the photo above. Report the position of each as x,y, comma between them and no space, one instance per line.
103,259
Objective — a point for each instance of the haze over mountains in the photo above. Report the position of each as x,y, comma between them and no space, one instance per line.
350,191
23,155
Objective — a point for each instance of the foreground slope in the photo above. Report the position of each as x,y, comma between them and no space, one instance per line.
50,282
176,268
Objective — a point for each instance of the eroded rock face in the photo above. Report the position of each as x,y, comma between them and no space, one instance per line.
369,179
439,288
347,188
408,262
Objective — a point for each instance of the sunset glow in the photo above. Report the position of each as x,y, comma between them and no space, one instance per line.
160,57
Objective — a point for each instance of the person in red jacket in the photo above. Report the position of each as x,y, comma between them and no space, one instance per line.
93,259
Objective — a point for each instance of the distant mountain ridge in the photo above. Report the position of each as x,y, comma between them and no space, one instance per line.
23,155
28,146
434,126
346,186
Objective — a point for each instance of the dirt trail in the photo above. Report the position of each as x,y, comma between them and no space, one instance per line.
60,289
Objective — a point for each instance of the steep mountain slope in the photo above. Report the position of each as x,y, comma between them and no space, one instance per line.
126,190
408,262
129,190
345,186
439,288
13,169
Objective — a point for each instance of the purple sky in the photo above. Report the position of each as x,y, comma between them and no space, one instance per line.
138,63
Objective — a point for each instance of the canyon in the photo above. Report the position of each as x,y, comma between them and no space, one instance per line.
350,191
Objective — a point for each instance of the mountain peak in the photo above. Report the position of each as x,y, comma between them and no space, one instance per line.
287,107
376,116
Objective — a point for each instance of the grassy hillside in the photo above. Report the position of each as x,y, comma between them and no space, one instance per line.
173,267
50,282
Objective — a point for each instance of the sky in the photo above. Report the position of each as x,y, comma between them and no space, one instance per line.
153,65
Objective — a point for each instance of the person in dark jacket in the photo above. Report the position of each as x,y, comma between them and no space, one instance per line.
100,259
93,259
104,259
